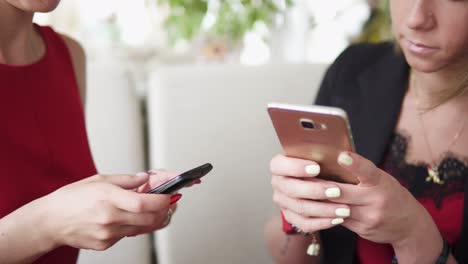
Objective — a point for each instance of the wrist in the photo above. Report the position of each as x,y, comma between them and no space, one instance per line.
423,244
445,256
45,224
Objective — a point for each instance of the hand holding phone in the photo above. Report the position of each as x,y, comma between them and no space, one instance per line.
316,133
182,180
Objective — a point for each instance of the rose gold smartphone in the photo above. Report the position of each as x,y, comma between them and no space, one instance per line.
317,133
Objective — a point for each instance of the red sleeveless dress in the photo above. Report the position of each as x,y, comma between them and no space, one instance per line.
43,141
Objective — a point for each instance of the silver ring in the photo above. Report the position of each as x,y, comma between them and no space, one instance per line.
169,216
298,230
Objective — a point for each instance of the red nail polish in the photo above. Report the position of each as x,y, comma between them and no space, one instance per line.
175,198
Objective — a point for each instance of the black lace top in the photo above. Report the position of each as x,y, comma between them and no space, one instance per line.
453,171
443,202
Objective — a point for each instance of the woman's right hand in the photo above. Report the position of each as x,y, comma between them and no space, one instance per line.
96,212
302,197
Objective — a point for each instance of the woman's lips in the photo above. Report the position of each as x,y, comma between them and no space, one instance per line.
418,48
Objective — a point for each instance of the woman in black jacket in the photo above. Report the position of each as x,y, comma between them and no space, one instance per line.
408,107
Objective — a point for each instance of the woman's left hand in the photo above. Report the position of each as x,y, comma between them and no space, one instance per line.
382,210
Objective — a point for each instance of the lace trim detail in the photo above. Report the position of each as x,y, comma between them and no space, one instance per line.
453,170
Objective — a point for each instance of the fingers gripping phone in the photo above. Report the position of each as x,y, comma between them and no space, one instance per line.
316,133
184,179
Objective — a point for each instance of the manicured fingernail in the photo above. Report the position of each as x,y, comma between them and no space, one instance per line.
333,192
337,221
175,198
345,159
142,174
197,181
343,212
313,169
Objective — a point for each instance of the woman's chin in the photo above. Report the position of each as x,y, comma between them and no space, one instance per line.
39,6
47,6
426,65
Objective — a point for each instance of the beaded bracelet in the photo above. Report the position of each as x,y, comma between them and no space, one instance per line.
314,247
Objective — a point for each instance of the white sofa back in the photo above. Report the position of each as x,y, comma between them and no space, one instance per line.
217,114
115,130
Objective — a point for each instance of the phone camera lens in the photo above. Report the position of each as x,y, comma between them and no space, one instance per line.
307,124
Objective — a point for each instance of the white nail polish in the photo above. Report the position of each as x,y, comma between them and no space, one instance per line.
313,169
345,159
337,221
343,212
333,192
141,174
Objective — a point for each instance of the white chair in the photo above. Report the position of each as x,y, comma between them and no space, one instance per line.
217,114
116,137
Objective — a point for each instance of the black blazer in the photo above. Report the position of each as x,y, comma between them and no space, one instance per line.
369,82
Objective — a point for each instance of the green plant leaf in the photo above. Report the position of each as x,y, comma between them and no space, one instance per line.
232,22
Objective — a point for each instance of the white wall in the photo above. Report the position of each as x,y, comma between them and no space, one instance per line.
218,114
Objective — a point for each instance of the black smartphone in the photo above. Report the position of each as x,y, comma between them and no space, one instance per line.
184,179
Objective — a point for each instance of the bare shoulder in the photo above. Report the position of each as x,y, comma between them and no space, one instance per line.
79,63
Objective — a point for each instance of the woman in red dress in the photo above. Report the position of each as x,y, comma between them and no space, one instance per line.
51,205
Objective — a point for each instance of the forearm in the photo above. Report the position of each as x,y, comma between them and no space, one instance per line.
287,248
429,257
423,246
22,235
